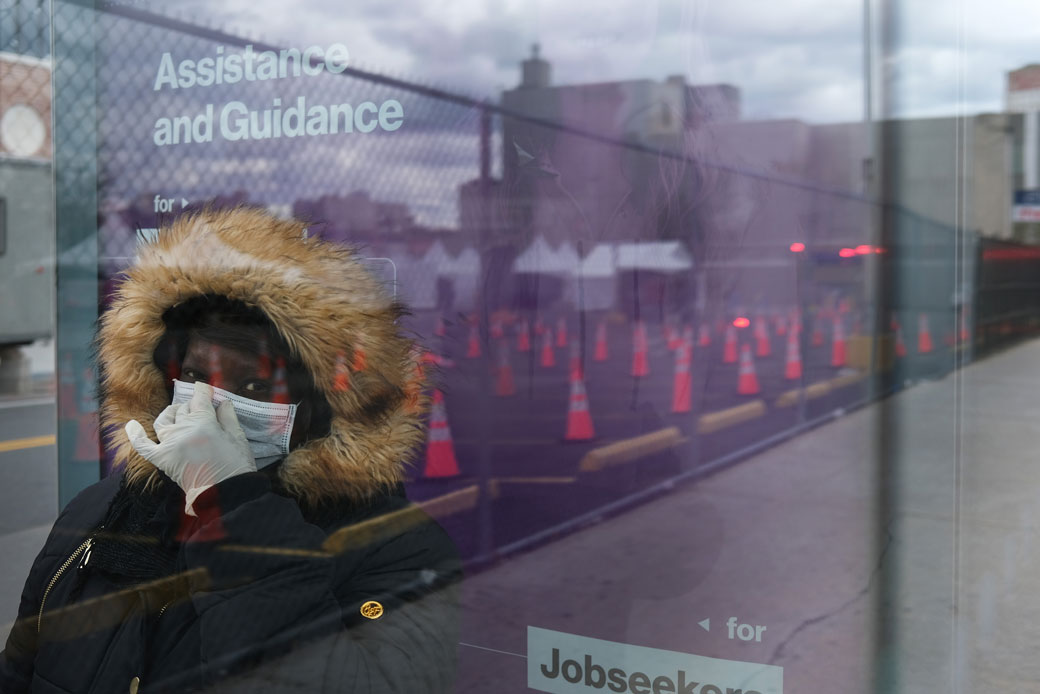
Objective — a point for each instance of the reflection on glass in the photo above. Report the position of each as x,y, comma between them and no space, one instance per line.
691,292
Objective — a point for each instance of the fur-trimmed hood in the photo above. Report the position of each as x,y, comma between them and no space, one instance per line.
324,303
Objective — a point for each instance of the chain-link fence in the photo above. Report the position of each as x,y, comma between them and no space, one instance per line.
25,28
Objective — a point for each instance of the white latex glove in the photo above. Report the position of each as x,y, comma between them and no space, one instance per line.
198,446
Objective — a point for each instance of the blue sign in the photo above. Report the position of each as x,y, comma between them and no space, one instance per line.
1027,197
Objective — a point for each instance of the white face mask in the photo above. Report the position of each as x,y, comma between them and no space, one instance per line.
267,425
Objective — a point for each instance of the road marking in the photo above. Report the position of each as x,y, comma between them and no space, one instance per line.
510,442
31,442
6,404
816,390
722,419
535,480
627,450
452,502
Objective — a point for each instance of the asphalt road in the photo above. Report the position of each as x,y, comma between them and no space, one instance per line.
29,472
524,432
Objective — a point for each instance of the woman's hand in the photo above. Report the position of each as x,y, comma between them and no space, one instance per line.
199,446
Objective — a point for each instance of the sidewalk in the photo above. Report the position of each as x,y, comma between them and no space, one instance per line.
786,540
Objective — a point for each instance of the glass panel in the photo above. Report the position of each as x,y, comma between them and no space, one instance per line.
76,215
683,322
958,193
642,283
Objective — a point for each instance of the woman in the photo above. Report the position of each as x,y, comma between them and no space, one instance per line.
260,403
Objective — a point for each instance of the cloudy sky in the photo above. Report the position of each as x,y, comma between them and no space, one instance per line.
795,58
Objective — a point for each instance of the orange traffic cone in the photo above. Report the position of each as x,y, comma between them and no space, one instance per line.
523,338
781,326
576,370
548,355
747,379
763,347
216,373
705,336
561,332
173,364
280,387
263,366
601,342
264,371
439,328
473,348
360,360
579,421
440,450
671,335
838,343
431,358
817,333
341,382
901,348
924,335
729,347
413,388
640,367
796,322
793,363
504,385
497,331
682,385
687,336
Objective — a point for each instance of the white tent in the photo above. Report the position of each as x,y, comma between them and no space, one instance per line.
416,282
656,256
539,258
464,273
567,257
437,256
593,283
467,263
599,263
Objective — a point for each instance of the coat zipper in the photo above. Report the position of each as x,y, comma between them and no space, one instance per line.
83,549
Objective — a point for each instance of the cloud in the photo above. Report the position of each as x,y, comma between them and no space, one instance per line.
796,59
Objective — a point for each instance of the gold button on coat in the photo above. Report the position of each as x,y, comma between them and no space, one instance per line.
134,684
372,610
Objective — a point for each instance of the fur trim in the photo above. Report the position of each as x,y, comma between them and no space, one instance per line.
324,303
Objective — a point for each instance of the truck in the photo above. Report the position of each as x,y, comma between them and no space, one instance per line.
26,261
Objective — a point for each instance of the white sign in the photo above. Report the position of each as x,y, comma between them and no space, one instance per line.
565,663
1025,213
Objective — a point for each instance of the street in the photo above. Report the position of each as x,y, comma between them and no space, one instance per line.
28,465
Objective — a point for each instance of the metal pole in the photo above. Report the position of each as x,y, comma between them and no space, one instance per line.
485,527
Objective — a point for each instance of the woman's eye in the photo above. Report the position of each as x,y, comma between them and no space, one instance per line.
256,387
191,375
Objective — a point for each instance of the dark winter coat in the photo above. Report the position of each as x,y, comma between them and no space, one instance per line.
316,575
